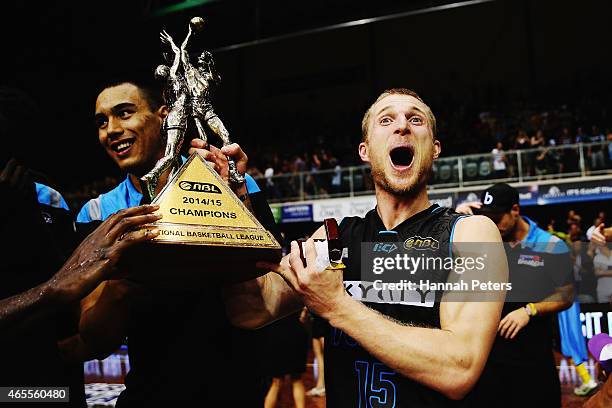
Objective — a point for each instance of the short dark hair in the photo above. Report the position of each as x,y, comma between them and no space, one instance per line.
149,89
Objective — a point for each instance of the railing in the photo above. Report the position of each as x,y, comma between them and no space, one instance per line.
576,160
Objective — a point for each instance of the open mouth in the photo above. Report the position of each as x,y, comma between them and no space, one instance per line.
401,156
122,147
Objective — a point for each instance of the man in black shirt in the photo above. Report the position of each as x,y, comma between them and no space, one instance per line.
381,351
541,276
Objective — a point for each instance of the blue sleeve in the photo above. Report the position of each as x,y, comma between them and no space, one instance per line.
48,196
83,215
560,247
251,185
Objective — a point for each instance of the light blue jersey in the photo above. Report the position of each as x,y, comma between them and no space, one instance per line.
48,196
124,196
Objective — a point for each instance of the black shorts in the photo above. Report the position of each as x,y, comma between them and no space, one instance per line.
319,327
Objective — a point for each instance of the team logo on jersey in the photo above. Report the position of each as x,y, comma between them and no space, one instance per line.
199,187
422,244
531,260
384,247
47,217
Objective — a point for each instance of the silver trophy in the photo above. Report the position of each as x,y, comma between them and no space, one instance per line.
187,93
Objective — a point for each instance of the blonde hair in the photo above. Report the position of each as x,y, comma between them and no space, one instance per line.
396,91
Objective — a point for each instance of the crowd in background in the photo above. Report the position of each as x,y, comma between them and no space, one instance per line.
324,150
592,262
542,132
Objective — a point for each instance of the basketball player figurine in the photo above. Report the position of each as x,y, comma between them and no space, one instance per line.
185,94
175,124
200,81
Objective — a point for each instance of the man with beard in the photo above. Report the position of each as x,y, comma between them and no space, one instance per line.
391,353
182,349
541,276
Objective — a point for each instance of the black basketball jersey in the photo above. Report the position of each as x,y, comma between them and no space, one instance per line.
353,377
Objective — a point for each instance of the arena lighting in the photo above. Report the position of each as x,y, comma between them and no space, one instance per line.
183,5
354,23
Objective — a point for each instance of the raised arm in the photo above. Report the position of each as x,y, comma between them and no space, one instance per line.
166,39
184,53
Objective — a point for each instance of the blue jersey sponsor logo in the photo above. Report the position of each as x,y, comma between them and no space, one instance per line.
531,260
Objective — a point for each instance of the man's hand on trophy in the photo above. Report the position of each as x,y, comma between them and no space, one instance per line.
321,289
212,155
95,260
218,157
235,152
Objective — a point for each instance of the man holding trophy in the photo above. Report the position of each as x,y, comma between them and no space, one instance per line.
182,348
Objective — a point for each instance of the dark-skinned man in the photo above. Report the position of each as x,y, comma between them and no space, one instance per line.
41,283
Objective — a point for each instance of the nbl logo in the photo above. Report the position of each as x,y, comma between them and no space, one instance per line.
199,187
422,244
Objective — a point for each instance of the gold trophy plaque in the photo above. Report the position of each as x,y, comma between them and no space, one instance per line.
206,233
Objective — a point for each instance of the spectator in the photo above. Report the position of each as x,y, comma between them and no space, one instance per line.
597,223
565,137
299,163
583,272
542,162
254,172
523,142
602,265
336,181
270,185
499,161
538,140
573,218
581,137
596,152
574,233
554,156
